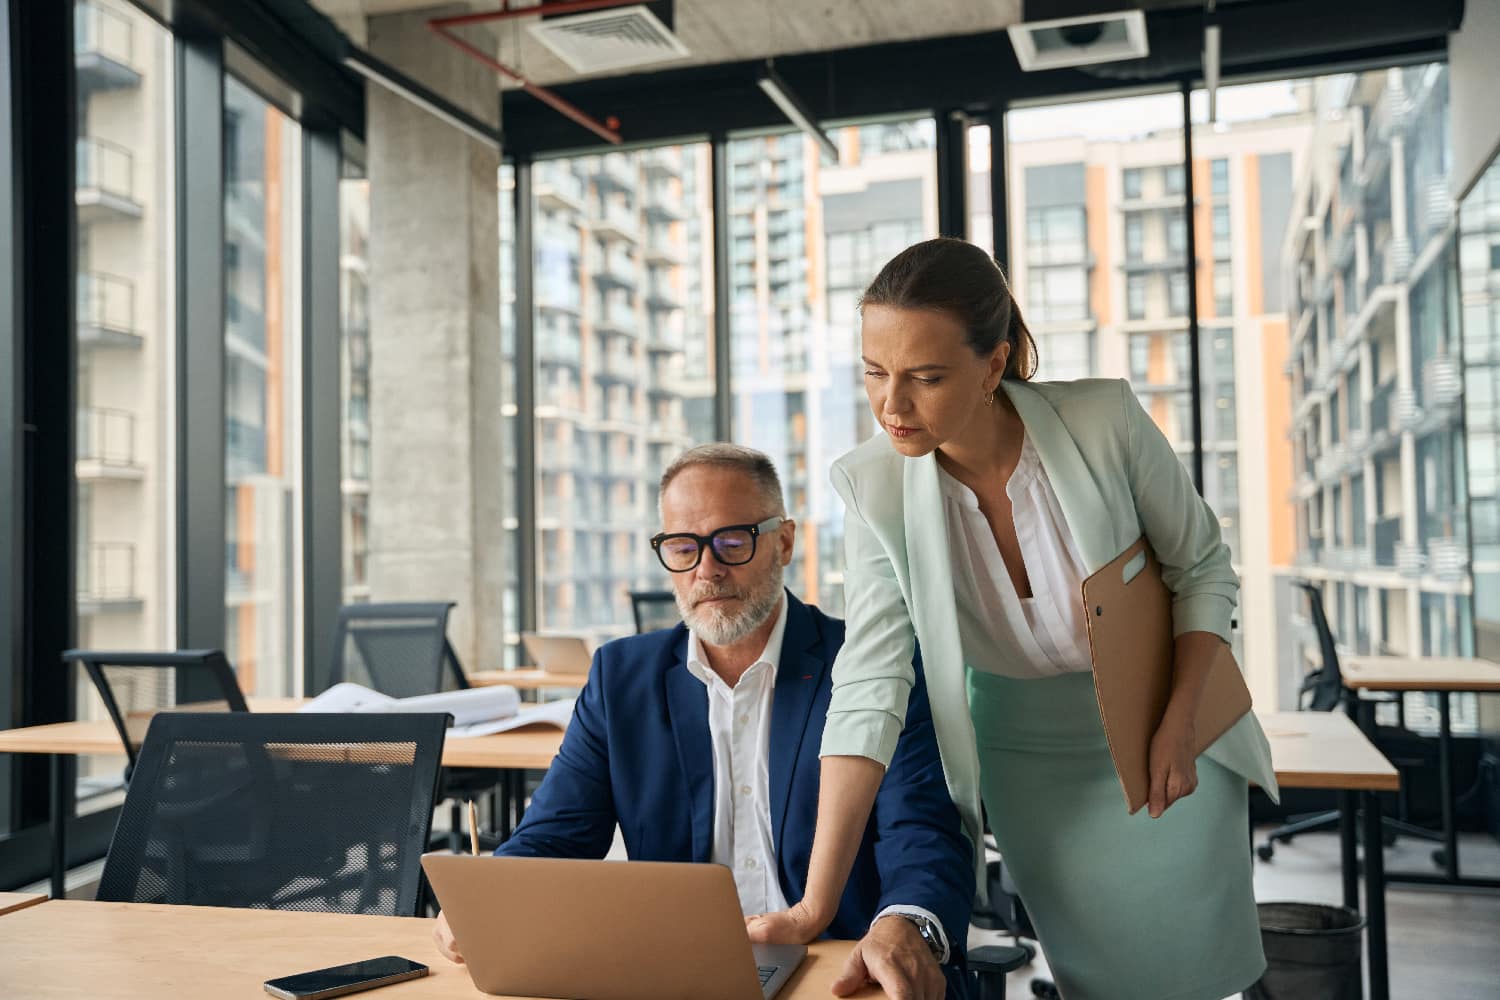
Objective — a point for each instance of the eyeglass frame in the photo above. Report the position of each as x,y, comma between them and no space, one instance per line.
705,542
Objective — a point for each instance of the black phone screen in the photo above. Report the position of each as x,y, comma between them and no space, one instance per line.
345,978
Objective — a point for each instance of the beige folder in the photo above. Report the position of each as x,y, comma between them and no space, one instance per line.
1130,637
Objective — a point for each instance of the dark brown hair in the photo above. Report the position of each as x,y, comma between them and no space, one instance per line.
960,279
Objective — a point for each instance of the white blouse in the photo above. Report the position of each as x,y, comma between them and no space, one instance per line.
1045,634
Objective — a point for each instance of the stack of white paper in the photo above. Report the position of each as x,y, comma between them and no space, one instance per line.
471,706
553,713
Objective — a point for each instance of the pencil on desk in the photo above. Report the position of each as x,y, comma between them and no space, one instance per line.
473,829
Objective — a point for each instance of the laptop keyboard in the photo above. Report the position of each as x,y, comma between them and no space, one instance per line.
766,972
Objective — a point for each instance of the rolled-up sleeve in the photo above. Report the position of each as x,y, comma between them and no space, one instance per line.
1182,528
872,675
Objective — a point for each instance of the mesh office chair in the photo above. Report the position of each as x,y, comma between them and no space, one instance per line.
279,811
402,650
653,609
1323,691
118,675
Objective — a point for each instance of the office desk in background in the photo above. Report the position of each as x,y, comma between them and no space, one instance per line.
143,951
528,679
1326,750
512,754
1442,676
10,902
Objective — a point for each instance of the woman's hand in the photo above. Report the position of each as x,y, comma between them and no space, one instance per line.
797,924
1174,765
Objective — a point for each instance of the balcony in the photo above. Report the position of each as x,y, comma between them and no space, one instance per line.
106,579
561,190
1410,559
106,445
661,296
663,204
614,220
616,169
614,269
103,49
1381,401
1448,559
617,319
664,161
1442,383
618,366
559,349
106,311
105,184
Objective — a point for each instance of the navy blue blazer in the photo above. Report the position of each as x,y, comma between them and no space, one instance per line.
637,753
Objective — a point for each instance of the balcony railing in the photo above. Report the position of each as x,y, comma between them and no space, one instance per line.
106,436
1380,408
106,302
97,30
107,573
1442,382
106,167
1448,558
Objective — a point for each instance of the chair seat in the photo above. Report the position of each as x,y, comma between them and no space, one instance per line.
999,958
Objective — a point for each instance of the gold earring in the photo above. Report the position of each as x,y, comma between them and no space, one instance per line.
989,398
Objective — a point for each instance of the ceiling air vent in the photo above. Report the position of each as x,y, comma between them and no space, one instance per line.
606,40
1079,41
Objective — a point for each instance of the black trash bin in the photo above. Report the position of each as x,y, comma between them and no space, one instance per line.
1313,952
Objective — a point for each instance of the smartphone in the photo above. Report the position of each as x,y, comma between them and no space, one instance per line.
344,979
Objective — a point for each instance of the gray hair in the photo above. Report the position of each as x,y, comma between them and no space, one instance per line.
735,458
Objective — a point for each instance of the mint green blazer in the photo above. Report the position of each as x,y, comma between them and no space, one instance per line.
1116,476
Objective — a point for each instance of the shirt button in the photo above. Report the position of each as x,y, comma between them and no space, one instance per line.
744,789
749,862
744,720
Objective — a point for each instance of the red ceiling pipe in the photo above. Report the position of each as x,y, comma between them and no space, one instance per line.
441,26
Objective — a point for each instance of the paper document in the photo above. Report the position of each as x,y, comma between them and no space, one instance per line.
554,713
468,706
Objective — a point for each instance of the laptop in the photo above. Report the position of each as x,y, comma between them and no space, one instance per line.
559,654
604,930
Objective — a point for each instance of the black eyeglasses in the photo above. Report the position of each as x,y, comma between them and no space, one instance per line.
733,545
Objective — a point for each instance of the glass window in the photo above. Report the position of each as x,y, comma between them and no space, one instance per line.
1221,234
1223,289
1132,182
1219,177
126,342
981,219
797,379
624,358
1135,296
1172,179
262,340
1177,294
354,318
1135,237
1176,236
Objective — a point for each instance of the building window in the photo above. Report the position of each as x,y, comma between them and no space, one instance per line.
1222,243
1055,235
1135,238
1140,358
1132,179
1219,177
1135,296
1068,355
1173,178
1177,294
1057,295
1223,289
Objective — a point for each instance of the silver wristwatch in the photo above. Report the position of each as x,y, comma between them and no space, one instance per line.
928,931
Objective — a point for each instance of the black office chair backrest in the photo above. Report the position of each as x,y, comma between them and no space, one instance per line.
398,649
279,811
118,675
1326,684
653,609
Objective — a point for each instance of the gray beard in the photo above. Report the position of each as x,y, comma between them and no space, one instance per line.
719,628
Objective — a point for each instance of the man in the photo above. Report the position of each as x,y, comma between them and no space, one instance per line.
701,743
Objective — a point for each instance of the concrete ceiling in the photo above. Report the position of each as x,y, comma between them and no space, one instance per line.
717,31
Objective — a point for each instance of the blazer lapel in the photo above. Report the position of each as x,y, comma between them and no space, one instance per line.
1088,516
798,681
687,705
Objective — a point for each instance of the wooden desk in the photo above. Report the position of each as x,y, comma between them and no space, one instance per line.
1327,750
1442,675
10,902
510,753
528,679
141,951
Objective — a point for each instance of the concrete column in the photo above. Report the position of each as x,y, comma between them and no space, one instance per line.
436,469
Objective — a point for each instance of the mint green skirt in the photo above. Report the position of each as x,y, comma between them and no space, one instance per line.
1126,907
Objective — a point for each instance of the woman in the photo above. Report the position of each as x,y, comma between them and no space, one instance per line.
970,526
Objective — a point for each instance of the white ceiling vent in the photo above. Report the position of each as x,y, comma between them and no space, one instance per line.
1079,41
613,39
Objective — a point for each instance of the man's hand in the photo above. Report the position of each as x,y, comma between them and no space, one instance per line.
442,936
798,924
894,956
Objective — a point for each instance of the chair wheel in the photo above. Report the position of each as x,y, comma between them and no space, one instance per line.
1043,988
1265,851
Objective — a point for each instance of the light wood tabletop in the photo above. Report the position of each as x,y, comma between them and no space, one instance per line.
530,748
142,951
1424,673
1325,750
10,902
528,679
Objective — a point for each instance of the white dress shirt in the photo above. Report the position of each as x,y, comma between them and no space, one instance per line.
739,727
1043,635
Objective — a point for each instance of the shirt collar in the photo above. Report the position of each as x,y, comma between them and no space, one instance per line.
697,663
